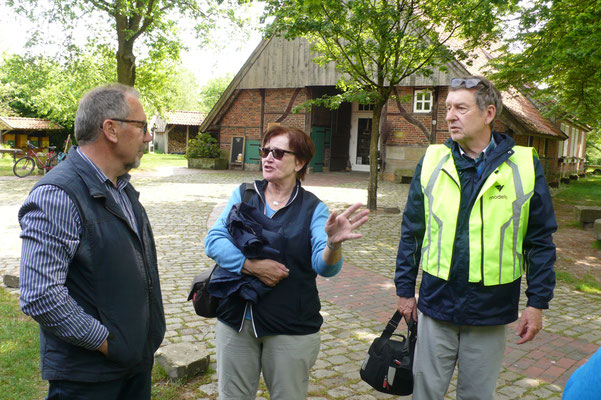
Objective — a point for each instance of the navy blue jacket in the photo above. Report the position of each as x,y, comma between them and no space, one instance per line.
456,300
292,306
113,277
256,235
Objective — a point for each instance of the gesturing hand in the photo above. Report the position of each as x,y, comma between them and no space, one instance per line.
340,227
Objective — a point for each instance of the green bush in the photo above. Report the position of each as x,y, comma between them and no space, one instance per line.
203,146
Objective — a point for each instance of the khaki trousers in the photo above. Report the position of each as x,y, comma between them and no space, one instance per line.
476,350
285,361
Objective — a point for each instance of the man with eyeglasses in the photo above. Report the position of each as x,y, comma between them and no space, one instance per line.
478,217
89,272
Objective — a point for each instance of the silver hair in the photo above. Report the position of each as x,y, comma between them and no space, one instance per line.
98,105
485,92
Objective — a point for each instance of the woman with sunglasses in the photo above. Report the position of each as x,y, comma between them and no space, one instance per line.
279,335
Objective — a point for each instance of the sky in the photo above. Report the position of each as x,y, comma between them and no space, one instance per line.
204,63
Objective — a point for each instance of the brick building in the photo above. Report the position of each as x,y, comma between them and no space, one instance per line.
280,76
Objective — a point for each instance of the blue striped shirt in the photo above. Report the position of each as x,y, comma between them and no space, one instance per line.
51,232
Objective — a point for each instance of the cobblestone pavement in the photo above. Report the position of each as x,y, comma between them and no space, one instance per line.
356,303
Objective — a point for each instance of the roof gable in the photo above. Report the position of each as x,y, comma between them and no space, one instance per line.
280,63
35,124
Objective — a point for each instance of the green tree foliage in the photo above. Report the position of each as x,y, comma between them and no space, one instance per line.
212,91
377,43
140,26
557,57
40,86
5,99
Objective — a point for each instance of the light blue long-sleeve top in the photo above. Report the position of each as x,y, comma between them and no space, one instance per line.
219,245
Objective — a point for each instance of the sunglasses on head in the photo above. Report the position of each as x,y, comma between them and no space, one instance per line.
469,82
278,154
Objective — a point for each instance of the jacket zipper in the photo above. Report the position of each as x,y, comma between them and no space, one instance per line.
456,222
482,240
252,318
146,271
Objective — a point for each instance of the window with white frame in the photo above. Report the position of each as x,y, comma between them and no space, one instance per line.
365,107
422,101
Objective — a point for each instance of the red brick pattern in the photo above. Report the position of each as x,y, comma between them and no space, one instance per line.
244,116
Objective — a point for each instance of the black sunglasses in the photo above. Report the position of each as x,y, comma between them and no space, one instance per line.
469,82
278,154
144,125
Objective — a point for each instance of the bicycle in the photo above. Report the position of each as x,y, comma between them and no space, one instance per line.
24,166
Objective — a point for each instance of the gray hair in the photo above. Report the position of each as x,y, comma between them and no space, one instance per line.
99,104
486,93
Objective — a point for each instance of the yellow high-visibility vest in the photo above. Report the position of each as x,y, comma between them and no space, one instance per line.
497,222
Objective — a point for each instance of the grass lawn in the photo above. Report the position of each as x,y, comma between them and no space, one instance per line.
6,166
585,191
152,161
19,352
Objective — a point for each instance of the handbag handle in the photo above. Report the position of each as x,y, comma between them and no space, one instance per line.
394,323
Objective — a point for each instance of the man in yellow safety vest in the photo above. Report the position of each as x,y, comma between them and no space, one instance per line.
478,216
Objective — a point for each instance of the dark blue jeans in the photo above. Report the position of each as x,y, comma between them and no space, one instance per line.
133,387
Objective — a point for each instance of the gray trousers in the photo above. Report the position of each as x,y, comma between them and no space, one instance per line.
284,359
476,350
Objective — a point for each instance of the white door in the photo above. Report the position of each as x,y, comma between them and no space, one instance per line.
360,140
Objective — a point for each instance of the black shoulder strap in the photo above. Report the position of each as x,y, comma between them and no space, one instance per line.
249,190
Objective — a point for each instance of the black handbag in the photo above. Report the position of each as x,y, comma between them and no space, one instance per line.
389,363
205,305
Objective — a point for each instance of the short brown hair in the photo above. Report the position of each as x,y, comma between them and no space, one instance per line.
300,143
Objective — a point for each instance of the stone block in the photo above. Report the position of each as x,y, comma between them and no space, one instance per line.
403,175
587,215
183,360
11,281
597,229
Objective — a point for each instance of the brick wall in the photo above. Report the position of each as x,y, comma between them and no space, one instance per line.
243,118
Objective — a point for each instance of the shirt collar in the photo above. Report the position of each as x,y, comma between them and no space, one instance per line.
122,180
491,145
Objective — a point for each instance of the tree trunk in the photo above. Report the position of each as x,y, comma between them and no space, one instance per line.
372,189
126,64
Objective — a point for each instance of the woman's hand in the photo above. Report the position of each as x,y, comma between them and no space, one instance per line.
269,272
340,227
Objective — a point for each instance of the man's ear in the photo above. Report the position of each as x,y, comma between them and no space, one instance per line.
108,130
491,112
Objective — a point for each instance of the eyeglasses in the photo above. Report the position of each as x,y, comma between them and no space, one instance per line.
141,124
278,154
469,82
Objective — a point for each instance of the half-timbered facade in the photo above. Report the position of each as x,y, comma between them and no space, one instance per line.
280,76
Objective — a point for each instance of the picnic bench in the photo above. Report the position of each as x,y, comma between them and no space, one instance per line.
14,152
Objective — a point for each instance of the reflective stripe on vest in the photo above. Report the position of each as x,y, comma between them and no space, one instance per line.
495,246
